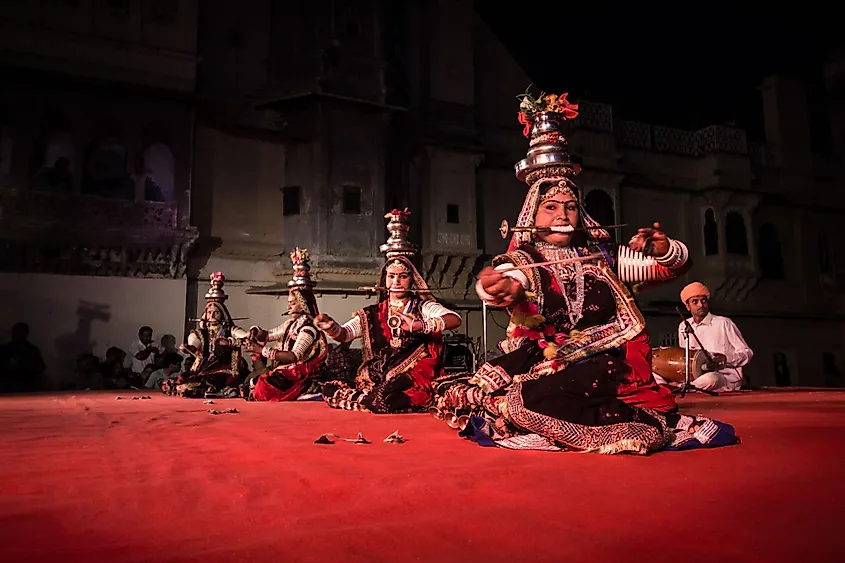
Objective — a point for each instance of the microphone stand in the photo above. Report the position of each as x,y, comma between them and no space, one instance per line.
687,384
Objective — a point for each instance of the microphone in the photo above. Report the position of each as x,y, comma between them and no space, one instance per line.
689,330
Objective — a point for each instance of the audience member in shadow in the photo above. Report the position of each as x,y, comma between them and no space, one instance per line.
21,365
115,374
832,375
172,367
168,346
69,346
88,374
782,376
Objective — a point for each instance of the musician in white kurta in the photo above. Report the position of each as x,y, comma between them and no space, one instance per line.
719,336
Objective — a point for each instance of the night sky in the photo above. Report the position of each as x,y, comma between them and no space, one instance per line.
680,67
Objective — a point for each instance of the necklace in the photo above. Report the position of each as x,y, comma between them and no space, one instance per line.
565,275
394,322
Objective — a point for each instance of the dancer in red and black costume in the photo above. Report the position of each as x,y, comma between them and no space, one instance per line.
576,370
401,336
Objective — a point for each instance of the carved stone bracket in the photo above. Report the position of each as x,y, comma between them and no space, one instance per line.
452,274
154,259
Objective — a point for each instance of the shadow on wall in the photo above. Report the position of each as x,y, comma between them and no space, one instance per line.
70,346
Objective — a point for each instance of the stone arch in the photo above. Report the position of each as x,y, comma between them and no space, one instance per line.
106,173
53,160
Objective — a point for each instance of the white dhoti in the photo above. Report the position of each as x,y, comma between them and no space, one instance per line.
721,381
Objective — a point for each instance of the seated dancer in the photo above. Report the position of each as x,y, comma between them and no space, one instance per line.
296,348
402,344
720,337
576,359
218,365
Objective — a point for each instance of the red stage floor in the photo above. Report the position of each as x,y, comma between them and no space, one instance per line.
84,477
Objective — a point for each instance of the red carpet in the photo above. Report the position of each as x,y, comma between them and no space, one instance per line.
87,478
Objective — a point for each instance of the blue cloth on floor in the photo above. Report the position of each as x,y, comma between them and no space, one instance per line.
478,431
726,436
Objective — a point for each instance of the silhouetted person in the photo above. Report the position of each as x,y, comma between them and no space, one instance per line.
115,375
21,365
832,375
782,376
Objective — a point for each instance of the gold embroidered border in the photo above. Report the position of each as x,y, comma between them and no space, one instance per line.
408,363
362,379
634,437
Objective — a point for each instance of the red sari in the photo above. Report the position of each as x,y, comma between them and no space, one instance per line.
640,389
390,379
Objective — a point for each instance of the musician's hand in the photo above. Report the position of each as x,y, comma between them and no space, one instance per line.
324,322
498,286
720,359
659,242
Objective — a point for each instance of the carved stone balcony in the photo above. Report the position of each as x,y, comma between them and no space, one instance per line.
595,116
88,235
713,139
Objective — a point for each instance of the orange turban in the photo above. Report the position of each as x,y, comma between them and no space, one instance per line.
695,289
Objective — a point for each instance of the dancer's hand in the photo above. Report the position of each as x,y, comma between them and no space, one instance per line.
408,323
257,334
654,237
324,322
252,346
503,289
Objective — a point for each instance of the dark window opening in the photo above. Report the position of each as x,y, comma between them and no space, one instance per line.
736,238
352,200
290,200
771,256
711,234
825,256
453,213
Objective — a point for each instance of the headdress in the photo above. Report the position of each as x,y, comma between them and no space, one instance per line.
397,244
215,295
398,252
695,289
547,167
215,291
301,285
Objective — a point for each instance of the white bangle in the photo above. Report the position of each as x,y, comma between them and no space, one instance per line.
269,352
674,257
335,330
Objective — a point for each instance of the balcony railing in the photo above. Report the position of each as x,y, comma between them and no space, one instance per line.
716,138
87,211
